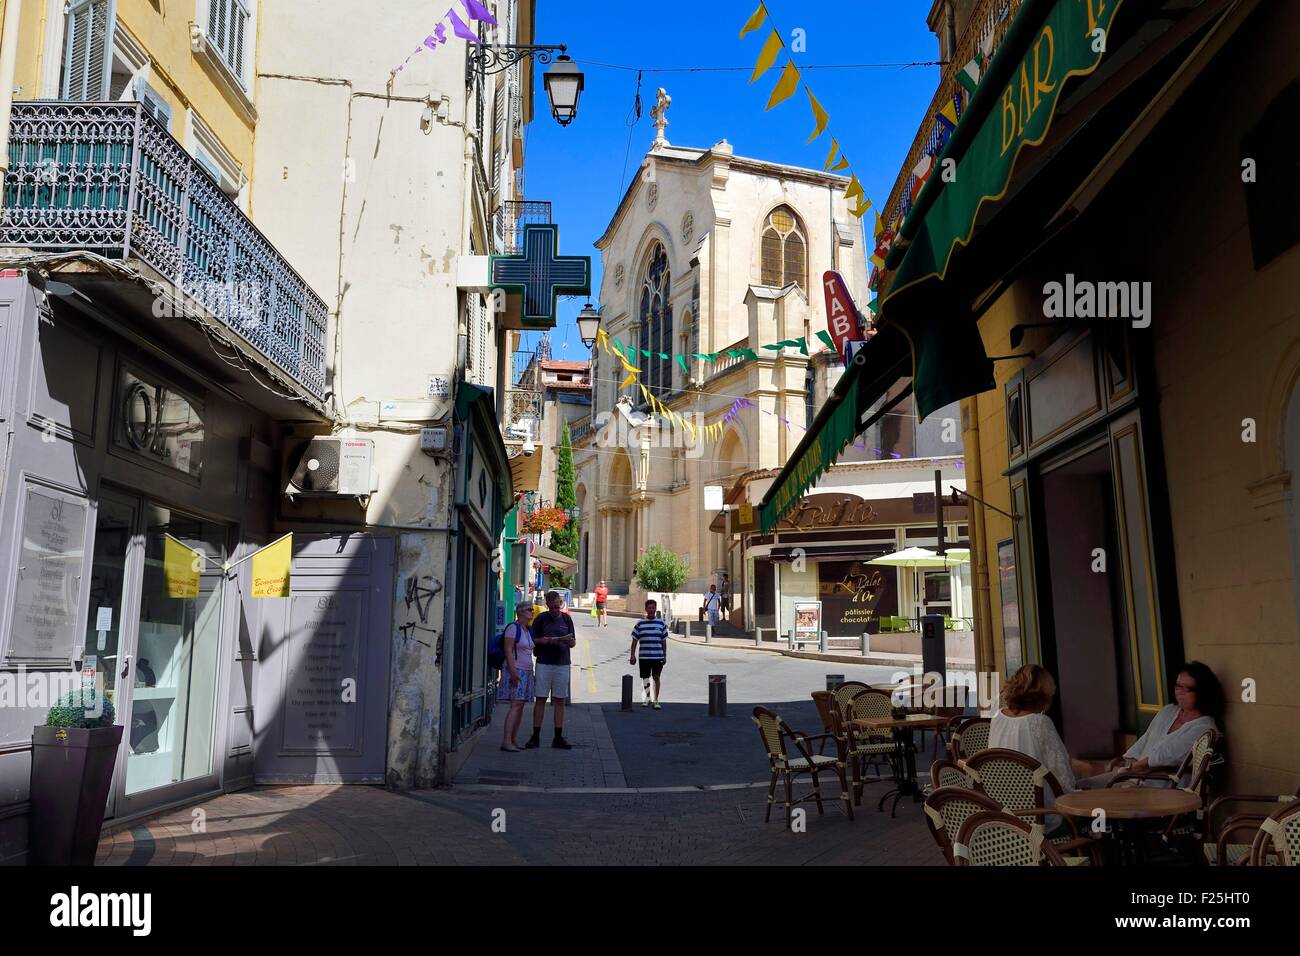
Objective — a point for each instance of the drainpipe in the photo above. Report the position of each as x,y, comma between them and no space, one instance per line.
8,69
985,659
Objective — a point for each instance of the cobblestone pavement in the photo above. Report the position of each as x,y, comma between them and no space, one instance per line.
670,786
359,825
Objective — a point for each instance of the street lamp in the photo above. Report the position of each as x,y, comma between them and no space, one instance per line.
563,87
588,325
563,80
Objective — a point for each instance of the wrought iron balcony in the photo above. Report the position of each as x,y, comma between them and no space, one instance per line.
986,25
510,219
106,178
523,408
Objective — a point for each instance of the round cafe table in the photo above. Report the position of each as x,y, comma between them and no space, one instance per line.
1130,809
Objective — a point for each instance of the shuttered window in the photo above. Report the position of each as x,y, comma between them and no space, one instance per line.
88,50
228,33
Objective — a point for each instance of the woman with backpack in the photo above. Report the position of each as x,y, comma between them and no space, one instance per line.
516,683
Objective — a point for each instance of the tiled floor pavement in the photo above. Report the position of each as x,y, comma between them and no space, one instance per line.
356,825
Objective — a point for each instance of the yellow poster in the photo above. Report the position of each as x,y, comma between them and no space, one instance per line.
746,514
271,569
181,569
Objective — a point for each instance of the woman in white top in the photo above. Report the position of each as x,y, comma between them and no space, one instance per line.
1173,731
1020,724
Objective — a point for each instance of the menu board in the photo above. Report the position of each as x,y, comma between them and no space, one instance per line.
48,591
320,711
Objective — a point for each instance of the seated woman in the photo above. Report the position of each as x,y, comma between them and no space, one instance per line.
1020,724
1198,707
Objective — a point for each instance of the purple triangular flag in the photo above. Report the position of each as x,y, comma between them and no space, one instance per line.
459,28
477,11
431,42
440,32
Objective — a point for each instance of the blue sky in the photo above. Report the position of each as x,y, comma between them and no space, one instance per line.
874,113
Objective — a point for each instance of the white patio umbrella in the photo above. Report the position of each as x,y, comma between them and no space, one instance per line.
922,558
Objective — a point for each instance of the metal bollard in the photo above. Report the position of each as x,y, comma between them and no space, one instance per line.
758,636
708,633
834,680
717,695
627,692
866,643
821,643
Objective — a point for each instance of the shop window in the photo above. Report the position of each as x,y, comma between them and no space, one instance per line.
158,422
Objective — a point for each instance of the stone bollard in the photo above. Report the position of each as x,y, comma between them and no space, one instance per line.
717,695
627,692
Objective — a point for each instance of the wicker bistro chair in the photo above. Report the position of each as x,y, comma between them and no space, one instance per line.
872,704
776,733
857,748
996,838
827,708
969,737
846,692
1229,843
945,773
1195,769
1017,781
947,808
1279,835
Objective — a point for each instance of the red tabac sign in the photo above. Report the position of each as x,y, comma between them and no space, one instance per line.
841,314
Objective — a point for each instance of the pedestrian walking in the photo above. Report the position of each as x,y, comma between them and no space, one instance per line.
553,638
602,598
650,639
712,604
517,678
725,593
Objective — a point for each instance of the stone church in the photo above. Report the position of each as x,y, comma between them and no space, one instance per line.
707,251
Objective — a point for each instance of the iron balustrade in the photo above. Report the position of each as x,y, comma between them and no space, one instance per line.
512,216
106,178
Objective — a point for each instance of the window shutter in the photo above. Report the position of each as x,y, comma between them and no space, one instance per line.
88,50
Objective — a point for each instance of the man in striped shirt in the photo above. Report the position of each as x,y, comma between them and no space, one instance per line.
652,634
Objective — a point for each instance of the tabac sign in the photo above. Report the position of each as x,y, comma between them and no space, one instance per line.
1012,110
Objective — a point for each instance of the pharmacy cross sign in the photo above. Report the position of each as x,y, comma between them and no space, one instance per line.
541,275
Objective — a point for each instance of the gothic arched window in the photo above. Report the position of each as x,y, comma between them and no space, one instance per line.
785,250
655,314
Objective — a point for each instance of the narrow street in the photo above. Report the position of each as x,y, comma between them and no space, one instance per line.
670,786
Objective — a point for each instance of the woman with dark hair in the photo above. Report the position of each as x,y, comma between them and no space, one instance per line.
1198,707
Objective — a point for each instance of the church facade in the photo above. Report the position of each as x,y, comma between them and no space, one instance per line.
707,252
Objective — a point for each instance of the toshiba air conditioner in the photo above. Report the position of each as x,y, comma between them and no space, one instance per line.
328,467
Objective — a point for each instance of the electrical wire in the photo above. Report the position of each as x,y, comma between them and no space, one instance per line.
748,69
631,122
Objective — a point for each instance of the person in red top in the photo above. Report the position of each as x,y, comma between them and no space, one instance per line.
602,595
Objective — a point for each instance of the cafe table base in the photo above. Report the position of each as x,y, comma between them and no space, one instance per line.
904,766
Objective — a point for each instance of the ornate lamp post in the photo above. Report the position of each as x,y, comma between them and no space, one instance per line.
588,324
564,81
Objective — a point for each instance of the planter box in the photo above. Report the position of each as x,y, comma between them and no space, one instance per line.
72,771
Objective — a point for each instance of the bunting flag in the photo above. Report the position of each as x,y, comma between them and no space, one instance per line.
826,339
477,11
272,567
755,21
768,55
920,173
861,210
830,157
947,119
819,115
969,75
461,29
785,88
854,188
627,381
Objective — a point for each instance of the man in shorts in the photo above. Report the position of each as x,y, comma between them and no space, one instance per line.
553,637
602,598
652,635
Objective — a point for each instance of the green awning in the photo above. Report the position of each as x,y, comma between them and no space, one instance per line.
476,405
1048,42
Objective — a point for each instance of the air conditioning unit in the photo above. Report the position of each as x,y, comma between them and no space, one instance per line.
327,467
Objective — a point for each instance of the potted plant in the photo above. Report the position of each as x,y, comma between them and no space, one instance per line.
661,571
72,770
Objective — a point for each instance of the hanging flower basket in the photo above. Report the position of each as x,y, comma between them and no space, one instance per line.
543,520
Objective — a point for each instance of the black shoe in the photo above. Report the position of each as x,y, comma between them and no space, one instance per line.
533,743
561,744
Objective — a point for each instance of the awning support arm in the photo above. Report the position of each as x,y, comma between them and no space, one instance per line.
967,494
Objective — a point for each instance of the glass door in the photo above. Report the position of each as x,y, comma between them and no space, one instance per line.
173,664
106,625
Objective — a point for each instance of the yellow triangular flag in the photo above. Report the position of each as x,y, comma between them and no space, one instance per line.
646,395
830,157
768,55
880,226
785,88
627,381
854,187
271,569
842,164
819,115
181,566
755,21
861,210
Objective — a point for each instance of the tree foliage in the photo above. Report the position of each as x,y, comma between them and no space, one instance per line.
565,539
660,570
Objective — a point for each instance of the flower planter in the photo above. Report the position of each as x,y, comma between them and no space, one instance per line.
72,771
